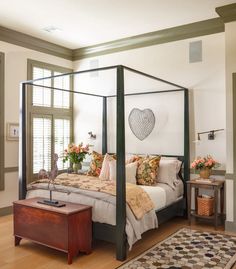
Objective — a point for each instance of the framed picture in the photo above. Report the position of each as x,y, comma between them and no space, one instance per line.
12,131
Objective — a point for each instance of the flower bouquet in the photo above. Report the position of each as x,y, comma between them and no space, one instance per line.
204,164
76,154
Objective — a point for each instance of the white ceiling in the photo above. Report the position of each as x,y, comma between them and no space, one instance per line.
89,22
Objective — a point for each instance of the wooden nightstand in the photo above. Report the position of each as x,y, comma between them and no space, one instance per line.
68,228
216,186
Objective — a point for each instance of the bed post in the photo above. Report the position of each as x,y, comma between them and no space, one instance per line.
186,139
22,143
104,125
121,243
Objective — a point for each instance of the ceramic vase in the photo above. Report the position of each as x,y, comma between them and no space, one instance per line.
205,173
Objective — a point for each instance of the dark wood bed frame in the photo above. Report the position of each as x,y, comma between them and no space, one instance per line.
115,234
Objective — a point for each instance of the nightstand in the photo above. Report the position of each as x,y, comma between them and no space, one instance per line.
218,187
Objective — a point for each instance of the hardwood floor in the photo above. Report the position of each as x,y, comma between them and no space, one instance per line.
32,256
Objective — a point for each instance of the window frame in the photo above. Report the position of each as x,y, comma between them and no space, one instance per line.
2,120
37,111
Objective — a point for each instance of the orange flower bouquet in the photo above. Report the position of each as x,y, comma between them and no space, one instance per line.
76,154
204,164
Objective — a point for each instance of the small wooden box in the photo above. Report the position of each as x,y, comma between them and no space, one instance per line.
68,229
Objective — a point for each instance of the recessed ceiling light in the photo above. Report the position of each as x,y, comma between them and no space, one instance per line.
52,29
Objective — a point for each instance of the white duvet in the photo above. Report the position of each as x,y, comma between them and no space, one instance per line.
104,205
103,209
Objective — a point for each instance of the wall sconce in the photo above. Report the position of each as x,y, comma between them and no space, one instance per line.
211,135
91,135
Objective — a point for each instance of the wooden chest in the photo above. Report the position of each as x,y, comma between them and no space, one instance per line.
68,229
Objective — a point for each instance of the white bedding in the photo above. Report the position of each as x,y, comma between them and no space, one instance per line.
157,195
104,209
163,195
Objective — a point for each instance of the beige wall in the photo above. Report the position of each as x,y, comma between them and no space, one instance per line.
15,72
169,61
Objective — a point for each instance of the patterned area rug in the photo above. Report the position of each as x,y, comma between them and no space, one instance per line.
188,249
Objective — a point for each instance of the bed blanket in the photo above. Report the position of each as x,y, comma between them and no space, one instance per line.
138,200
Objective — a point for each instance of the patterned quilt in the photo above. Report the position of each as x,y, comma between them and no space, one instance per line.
137,199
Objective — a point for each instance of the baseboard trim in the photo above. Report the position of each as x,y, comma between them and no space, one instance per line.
230,226
6,211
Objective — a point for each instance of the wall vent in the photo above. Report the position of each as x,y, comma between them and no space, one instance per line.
92,65
195,51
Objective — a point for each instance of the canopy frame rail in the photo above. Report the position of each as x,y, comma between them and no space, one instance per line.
121,240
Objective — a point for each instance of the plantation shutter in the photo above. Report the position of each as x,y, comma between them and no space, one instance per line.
61,99
42,143
41,96
51,113
61,139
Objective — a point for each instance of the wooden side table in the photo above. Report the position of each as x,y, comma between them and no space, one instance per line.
215,185
68,229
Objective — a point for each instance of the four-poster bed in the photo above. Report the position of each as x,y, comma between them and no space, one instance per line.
105,231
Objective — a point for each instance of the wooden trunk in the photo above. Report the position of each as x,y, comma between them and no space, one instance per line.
68,229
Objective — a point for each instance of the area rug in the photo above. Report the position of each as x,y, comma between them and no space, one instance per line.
187,249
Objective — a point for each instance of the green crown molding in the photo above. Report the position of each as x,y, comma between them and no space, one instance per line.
30,42
2,120
227,13
191,30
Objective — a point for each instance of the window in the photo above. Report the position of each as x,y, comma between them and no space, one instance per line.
50,113
61,137
61,99
42,96
42,143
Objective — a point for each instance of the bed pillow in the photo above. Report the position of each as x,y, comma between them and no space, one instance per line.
168,171
147,170
134,158
95,164
105,171
130,170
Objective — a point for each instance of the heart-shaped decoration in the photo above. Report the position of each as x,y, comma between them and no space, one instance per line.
141,122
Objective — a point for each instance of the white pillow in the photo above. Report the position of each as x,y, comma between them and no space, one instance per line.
105,170
130,170
168,171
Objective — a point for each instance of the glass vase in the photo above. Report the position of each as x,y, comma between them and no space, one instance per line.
76,167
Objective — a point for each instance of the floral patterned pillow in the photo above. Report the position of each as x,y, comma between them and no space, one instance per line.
133,158
147,170
95,164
